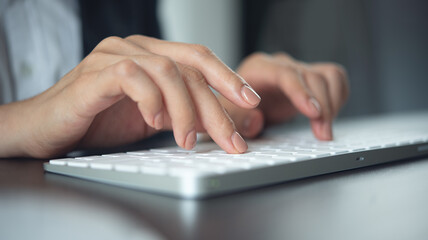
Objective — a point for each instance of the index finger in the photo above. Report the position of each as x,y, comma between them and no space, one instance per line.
218,75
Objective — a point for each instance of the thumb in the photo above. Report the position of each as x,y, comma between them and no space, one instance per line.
248,122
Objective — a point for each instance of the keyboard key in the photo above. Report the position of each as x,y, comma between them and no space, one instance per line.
153,170
187,172
62,161
127,168
101,165
312,154
291,158
78,163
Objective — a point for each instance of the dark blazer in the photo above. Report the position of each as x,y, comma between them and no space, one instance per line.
104,18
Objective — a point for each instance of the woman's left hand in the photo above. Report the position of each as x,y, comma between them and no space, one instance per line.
287,87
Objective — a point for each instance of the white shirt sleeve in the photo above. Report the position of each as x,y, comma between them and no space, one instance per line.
43,42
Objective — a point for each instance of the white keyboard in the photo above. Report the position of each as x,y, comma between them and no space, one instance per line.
282,154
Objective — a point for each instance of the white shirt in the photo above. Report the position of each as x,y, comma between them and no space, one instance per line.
40,41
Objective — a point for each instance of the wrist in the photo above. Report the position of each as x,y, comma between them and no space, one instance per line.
12,129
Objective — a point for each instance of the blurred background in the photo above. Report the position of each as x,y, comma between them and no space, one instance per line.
382,44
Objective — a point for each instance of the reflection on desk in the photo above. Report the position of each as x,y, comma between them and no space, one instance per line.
50,215
383,202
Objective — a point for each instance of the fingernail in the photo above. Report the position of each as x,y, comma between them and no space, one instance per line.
315,105
250,96
158,121
190,140
239,143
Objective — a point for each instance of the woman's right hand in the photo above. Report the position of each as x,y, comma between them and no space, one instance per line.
126,90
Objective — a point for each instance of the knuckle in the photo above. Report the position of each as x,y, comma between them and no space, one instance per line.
133,36
287,72
341,69
316,77
201,50
108,42
126,68
282,55
164,64
259,55
193,75
335,72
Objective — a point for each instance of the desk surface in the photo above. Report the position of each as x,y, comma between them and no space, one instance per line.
381,202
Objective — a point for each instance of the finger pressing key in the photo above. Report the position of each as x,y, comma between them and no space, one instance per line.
178,104
321,125
212,116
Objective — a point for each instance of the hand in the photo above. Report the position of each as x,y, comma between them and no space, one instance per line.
126,90
287,87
